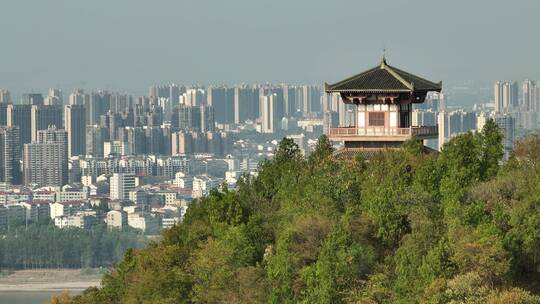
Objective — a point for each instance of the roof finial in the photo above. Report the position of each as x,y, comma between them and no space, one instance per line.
383,60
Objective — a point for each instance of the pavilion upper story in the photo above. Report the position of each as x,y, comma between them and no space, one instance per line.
383,97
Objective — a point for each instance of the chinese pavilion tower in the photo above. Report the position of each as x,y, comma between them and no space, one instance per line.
383,97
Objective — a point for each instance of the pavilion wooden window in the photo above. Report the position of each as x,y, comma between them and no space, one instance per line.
376,119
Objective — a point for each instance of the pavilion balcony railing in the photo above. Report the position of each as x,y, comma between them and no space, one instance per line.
381,131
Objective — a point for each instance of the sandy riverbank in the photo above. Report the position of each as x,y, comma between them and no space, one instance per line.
48,280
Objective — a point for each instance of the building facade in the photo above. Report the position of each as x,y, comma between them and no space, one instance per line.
75,121
121,184
383,97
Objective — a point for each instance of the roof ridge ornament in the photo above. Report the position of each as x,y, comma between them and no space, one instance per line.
383,60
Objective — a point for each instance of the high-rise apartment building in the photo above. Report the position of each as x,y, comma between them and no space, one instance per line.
146,140
98,104
96,136
511,93
498,97
454,123
21,116
134,138
45,160
78,97
3,114
75,123
535,98
120,102
199,118
507,125
268,113
5,96
222,99
181,143
116,148
330,120
423,118
246,104
310,99
505,96
193,97
53,135
188,142
289,101
174,94
43,117
54,98
10,154
207,119
35,99
528,95
279,104
156,92
306,99
156,140
171,92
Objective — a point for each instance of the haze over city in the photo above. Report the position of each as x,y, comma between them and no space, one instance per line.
257,151
130,45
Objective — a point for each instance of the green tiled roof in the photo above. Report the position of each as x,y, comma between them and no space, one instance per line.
384,78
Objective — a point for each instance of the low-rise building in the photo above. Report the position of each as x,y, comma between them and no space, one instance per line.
14,197
83,221
231,177
169,222
117,219
37,211
65,208
169,197
98,201
114,204
202,185
138,197
71,195
16,214
44,196
183,181
147,223
131,209
121,184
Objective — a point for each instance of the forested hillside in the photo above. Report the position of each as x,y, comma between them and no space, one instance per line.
404,227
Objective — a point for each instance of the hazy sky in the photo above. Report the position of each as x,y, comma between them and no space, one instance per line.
128,45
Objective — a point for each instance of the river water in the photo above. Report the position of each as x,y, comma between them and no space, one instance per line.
27,297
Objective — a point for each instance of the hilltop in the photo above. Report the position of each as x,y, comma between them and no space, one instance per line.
461,226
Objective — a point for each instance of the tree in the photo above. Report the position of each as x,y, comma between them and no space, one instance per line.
481,251
413,146
460,166
401,227
491,147
340,265
513,296
323,150
526,150
287,151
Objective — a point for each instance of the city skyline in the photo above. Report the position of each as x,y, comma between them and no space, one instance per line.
300,42
269,151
